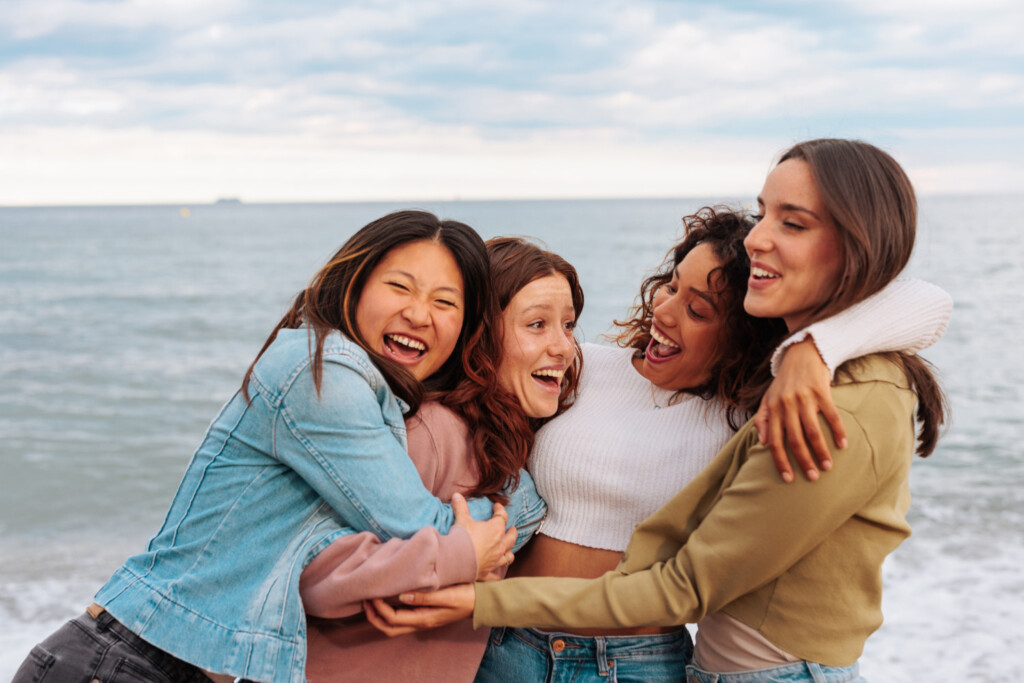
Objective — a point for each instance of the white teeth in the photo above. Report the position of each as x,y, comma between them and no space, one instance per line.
761,272
557,374
663,340
406,341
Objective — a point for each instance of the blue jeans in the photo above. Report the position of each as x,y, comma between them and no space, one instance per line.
800,672
530,655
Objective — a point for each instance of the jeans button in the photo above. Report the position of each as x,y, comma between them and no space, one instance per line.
558,645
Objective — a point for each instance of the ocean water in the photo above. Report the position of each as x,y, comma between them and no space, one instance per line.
123,329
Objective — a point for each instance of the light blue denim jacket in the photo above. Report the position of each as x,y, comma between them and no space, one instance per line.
274,482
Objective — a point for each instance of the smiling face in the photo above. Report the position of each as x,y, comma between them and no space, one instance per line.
411,307
795,251
537,343
686,326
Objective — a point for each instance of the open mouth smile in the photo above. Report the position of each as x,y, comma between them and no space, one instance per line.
759,273
404,349
661,347
549,378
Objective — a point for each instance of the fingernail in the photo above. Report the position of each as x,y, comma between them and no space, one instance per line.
787,477
405,597
826,465
456,496
843,442
812,475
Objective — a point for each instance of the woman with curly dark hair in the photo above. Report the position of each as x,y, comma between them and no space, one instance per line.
647,420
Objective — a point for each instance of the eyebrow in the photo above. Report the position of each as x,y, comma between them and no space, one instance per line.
793,207
702,294
707,297
543,307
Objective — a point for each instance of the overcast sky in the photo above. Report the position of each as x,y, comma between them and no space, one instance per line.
175,101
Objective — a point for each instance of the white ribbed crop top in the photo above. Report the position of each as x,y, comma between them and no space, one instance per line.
612,459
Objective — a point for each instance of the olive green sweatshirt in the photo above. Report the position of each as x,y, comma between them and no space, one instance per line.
799,562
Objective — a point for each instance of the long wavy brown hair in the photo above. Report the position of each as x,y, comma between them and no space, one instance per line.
501,432
872,204
328,304
745,342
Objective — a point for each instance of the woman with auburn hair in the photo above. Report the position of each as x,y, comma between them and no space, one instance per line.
470,440
312,442
783,580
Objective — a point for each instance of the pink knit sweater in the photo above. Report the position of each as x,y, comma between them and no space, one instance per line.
343,646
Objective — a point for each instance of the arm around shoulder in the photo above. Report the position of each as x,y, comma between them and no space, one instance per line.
907,315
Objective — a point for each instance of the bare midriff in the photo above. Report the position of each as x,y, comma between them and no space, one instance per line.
546,556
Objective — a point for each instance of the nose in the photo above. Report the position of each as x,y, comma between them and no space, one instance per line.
665,310
417,313
561,345
758,238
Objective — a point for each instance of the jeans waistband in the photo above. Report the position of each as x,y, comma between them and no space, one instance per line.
570,646
796,672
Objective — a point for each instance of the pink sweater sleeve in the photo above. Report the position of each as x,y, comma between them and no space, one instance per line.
360,567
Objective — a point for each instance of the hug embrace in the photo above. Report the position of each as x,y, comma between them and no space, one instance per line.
666,464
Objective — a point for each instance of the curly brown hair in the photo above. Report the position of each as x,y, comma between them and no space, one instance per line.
745,342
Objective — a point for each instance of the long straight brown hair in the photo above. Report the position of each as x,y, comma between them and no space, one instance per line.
872,203
328,304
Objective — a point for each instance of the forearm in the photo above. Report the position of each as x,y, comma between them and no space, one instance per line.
342,447
360,567
696,554
907,315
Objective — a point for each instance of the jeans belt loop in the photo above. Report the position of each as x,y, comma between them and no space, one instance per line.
602,655
817,675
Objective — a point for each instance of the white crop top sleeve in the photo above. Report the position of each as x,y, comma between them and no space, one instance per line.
908,315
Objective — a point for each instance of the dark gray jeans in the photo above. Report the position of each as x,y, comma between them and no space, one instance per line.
102,649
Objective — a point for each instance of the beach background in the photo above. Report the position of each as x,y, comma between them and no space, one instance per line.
123,329
132,299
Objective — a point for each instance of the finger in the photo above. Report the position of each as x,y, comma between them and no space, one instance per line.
801,428
378,620
510,538
776,448
815,435
460,508
409,620
420,599
500,511
835,422
761,422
